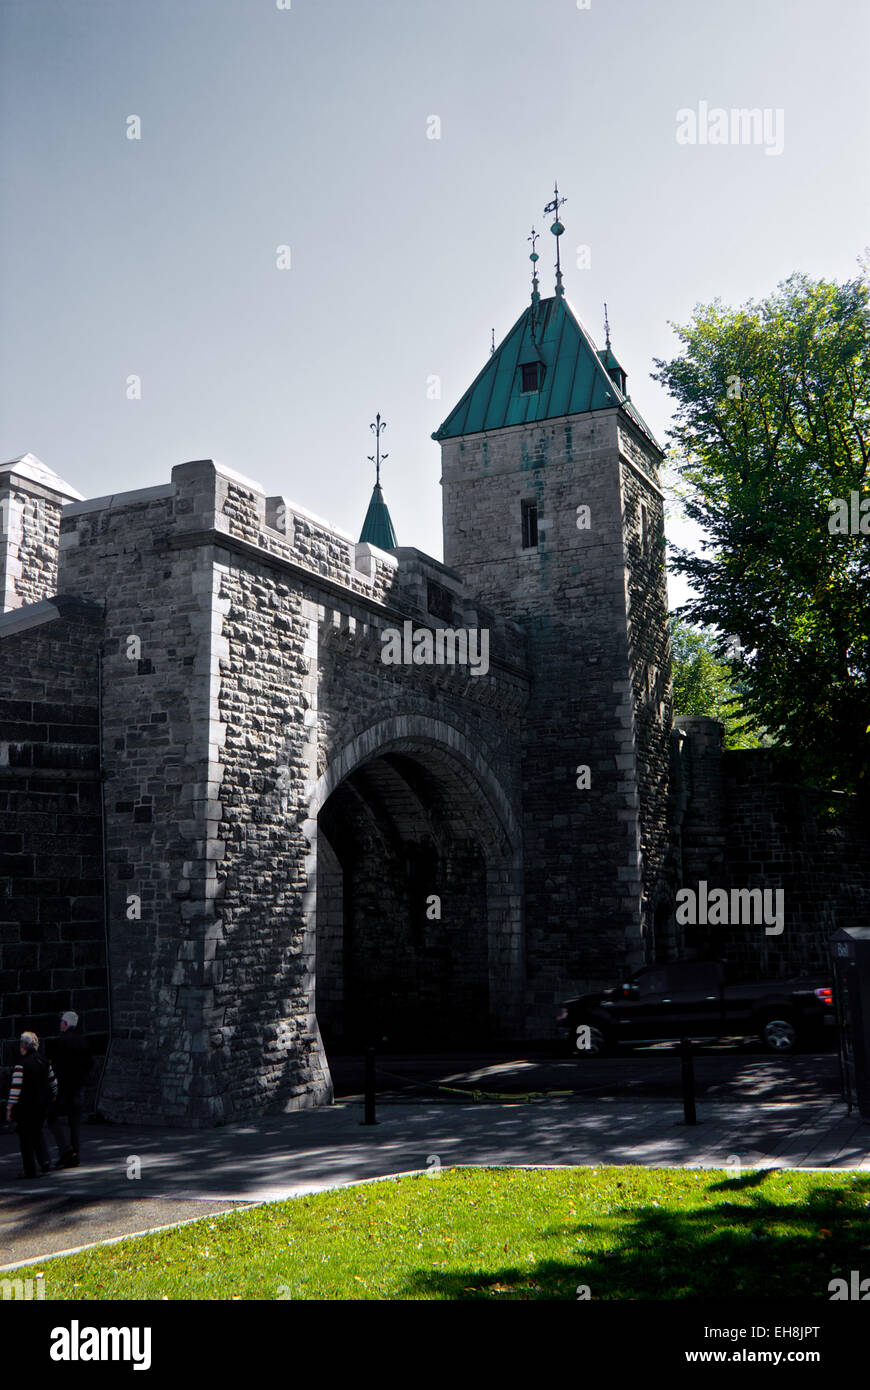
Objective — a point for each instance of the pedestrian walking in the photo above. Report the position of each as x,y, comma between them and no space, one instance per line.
71,1057
34,1087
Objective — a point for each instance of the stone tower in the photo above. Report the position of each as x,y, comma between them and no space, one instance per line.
553,515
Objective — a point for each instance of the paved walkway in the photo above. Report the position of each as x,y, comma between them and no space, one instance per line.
192,1173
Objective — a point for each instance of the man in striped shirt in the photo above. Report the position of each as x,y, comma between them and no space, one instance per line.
34,1087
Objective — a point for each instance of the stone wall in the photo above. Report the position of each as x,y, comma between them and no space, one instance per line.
751,823
651,703
52,936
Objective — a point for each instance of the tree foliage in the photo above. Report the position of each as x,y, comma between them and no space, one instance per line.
772,424
704,685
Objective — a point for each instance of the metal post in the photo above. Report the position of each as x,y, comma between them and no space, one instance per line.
688,1070
369,1085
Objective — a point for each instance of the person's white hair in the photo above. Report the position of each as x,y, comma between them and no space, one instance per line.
70,1019
30,1042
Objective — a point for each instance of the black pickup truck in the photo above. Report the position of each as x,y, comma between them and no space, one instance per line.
694,999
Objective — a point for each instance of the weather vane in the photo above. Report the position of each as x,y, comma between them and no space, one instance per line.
377,457
557,229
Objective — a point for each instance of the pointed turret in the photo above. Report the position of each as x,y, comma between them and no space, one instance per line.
612,366
547,367
378,525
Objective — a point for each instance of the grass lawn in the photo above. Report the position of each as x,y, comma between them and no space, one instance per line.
476,1233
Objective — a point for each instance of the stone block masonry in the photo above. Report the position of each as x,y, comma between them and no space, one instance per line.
31,499
271,842
750,823
52,933
304,847
591,600
242,686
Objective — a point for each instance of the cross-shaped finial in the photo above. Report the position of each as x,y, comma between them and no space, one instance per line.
377,457
533,238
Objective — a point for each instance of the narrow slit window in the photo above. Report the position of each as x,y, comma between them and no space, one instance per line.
644,530
530,524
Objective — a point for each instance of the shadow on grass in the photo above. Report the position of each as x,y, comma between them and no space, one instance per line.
742,1181
763,1249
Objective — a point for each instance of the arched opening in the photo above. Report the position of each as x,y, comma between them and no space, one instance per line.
418,899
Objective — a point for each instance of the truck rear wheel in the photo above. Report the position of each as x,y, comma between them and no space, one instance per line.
590,1041
778,1033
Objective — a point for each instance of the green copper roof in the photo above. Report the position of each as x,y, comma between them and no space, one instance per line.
574,379
378,526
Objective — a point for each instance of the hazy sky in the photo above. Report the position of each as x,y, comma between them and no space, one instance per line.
308,127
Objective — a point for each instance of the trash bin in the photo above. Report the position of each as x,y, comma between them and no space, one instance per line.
850,962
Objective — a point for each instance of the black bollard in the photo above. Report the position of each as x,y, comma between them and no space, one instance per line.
688,1070
369,1086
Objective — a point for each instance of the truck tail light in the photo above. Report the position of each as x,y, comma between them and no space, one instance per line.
826,995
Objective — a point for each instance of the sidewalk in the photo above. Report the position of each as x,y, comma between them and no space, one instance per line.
193,1173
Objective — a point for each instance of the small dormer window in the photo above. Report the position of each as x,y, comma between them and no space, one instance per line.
531,376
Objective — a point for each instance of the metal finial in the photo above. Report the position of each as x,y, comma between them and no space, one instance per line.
557,229
534,258
536,298
606,327
377,457
492,345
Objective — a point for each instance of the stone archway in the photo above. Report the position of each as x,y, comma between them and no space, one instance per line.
417,920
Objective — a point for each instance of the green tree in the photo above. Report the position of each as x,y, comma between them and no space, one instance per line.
772,425
704,685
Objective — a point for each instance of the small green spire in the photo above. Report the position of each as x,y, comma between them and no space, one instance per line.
378,525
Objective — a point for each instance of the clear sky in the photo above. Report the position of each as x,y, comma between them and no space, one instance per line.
308,127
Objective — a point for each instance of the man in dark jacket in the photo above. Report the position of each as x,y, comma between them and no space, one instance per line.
33,1089
72,1060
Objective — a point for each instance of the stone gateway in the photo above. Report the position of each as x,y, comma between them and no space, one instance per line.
235,837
